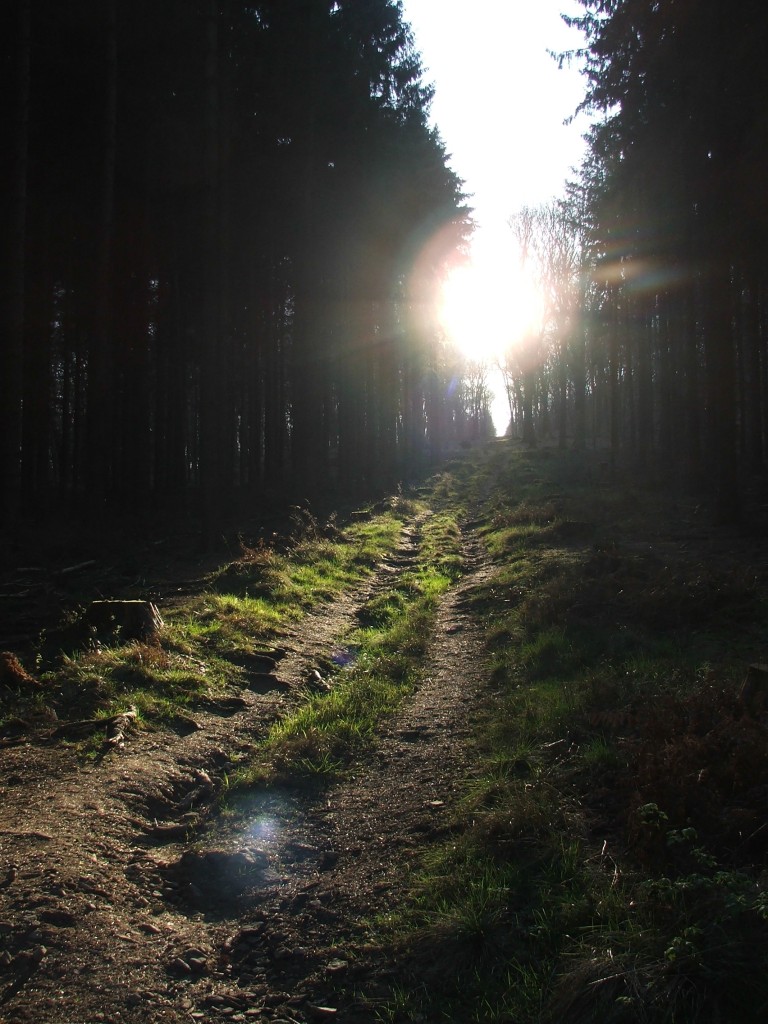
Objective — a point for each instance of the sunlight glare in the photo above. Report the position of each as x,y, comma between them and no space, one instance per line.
488,305
266,815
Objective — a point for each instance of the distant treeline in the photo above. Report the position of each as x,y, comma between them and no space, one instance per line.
659,257
222,224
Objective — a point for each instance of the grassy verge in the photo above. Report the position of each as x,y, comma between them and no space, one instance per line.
377,666
202,652
609,862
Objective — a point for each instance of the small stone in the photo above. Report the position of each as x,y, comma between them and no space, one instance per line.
328,860
276,998
336,966
327,916
179,965
321,1012
301,849
29,959
59,918
168,832
5,958
193,952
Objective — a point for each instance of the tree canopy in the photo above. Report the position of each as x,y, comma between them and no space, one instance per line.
224,221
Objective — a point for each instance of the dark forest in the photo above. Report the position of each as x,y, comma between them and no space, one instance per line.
222,225
317,700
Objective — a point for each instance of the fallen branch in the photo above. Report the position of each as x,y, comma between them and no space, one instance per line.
77,567
115,726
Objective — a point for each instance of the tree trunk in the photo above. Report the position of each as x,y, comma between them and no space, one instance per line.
613,377
721,374
755,398
579,378
645,337
101,351
528,388
12,287
562,387
210,383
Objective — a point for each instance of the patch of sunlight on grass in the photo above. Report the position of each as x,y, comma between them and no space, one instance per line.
330,728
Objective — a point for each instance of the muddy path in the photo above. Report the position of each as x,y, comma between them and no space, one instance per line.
109,913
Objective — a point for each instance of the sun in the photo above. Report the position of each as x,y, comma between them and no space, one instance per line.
488,305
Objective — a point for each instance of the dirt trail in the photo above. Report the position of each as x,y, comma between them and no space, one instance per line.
107,915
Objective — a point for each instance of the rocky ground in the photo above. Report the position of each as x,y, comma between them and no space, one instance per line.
124,897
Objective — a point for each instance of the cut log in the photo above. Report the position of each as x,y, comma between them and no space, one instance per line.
126,620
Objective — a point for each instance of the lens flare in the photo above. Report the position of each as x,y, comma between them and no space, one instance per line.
489,306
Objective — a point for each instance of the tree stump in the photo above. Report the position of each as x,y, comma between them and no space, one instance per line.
124,620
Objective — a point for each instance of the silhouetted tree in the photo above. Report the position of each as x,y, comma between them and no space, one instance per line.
676,222
213,218
13,184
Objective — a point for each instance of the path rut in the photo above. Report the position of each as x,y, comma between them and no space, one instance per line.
104,919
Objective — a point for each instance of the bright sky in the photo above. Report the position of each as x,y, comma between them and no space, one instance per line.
500,103
500,99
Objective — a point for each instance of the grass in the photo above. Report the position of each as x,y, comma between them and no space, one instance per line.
243,607
607,861
321,738
199,653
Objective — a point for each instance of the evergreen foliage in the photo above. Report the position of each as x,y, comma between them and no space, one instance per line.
663,189
667,361
213,207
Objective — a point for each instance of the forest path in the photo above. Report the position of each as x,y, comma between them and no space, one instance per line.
107,915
